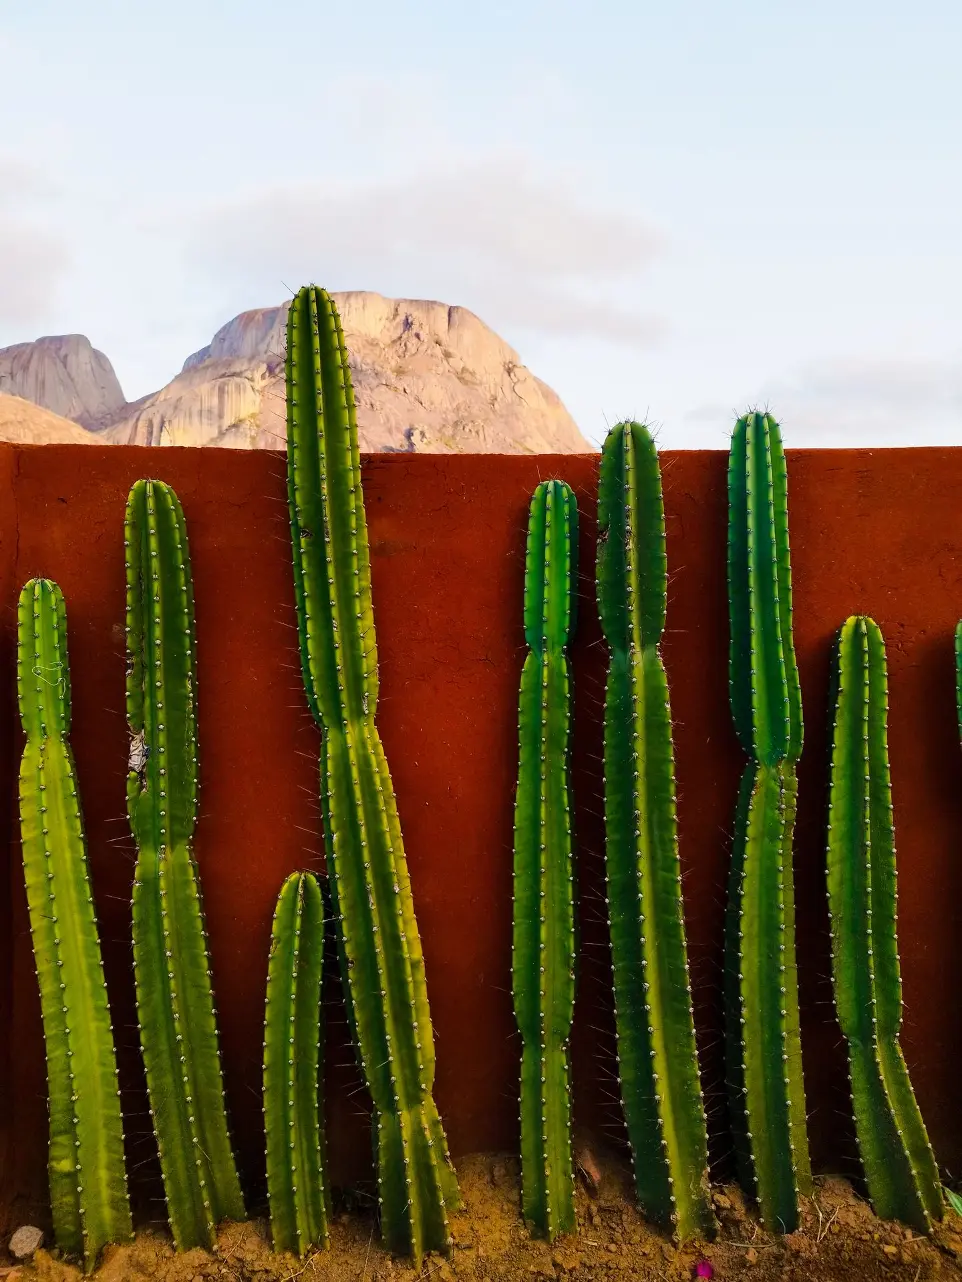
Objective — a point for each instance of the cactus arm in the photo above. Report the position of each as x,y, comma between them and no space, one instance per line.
543,944
378,938
88,1187
900,1167
174,994
658,1062
764,684
292,1034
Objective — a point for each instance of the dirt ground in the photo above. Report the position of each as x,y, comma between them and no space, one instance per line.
840,1240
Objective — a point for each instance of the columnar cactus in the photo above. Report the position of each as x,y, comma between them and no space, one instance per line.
296,1184
544,926
958,673
88,1183
381,957
900,1169
175,1008
657,1056
762,1030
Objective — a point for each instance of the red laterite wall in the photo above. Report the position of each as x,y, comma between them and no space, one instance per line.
874,532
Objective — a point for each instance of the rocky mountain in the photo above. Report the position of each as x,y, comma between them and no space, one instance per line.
427,378
65,374
27,424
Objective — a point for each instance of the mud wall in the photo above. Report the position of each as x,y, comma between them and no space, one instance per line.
874,532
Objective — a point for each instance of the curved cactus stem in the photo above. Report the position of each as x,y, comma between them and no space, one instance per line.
900,1168
296,1182
766,1088
658,1063
175,1007
543,960
88,1182
383,964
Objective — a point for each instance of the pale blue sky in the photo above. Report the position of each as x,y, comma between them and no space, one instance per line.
670,210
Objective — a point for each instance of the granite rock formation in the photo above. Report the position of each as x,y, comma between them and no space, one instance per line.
427,378
64,374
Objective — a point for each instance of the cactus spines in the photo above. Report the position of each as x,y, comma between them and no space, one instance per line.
766,1089
292,1040
175,1009
544,928
900,1169
657,1056
381,957
88,1183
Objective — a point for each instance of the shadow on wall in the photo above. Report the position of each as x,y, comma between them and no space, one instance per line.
875,533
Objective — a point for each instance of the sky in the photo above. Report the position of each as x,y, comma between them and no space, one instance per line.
673,212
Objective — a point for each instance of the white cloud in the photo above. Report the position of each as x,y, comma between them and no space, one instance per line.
867,402
32,259
486,234
872,402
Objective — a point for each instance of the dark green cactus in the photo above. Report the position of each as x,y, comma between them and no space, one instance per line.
544,925
657,1056
88,1183
900,1169
767,1094
178,1031
958,673
296,1183
381,958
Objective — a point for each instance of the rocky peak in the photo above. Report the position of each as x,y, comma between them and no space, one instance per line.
427,377
65,374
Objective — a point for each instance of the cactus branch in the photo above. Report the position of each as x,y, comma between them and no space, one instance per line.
296,1183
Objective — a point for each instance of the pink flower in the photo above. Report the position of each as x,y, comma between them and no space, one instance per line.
703,1269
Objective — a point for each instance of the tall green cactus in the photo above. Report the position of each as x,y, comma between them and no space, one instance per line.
381,957
88,1183
296,1185
544,925
178,1032
767,1094
958,674
657,1056
900,1169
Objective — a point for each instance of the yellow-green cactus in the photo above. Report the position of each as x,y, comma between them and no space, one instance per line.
88,1183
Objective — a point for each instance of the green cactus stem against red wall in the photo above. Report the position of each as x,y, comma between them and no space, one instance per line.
543,962
657,1056
900,1169
766,1090
175,1004
381,957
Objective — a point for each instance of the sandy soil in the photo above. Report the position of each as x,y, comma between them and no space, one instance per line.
841,1239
